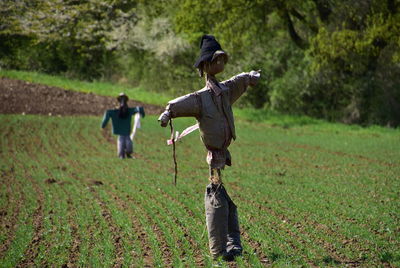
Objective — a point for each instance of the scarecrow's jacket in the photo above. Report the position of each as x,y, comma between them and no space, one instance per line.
201,105
121,126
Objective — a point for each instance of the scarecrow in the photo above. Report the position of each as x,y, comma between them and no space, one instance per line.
212,107
121,119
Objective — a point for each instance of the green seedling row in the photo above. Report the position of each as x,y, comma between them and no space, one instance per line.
310,195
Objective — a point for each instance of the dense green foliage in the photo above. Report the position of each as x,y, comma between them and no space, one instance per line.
311,196
332,59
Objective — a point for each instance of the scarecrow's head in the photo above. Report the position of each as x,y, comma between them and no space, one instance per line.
123,105
122,98
212,58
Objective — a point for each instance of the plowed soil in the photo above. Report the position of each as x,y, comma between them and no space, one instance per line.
17,97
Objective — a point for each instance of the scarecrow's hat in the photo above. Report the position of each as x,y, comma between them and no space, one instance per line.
122,95
210,49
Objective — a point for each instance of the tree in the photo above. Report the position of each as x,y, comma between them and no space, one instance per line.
360,55
333,59
74,32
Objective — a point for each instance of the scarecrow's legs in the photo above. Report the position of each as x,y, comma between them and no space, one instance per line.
222,221
125,146
233,246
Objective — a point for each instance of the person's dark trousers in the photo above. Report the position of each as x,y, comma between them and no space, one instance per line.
222,223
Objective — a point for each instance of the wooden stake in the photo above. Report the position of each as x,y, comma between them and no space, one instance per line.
174,151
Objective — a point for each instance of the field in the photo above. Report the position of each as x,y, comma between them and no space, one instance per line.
309,193
314,195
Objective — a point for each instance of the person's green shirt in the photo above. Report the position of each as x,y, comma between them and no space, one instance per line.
121,126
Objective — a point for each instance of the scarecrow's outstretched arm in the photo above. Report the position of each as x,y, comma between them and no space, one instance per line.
106,118
238,84
185,106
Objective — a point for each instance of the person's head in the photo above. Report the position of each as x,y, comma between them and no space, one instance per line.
212,58
123,105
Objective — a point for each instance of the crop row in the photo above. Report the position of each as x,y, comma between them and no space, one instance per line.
304,196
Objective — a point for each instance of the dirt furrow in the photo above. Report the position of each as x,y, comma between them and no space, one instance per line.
315,148
245,236
84,139
32,250
255,246
114,229
194,245
283,219
198,259
349,155
349,243
138,230
9,222
76,239
96,224
335,256
165,249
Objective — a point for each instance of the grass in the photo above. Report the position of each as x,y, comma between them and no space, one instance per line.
316,194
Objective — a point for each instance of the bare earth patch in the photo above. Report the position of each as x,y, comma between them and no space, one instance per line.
17,97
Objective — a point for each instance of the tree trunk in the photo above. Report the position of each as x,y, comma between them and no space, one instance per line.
324,10
292,32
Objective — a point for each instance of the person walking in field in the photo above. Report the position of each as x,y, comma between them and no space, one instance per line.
212,107
121,119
